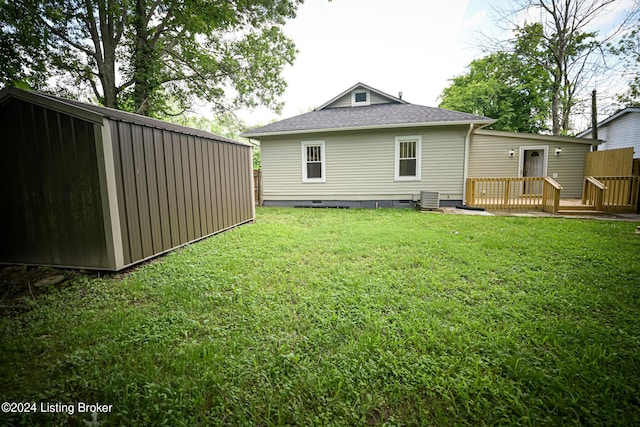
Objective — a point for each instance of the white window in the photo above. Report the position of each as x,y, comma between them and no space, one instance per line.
407,158
313,161
360,97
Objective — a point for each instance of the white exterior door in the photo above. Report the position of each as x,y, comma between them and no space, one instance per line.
533,163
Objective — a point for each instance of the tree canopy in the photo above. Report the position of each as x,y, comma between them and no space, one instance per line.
551,65
152,57
507,86
629,49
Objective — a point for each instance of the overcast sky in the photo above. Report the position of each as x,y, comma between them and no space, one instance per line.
413,46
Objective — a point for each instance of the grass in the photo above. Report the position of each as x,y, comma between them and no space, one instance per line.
325,317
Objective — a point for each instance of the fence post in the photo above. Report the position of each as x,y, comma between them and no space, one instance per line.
257,182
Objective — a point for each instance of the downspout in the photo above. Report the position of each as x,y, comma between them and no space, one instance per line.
465,167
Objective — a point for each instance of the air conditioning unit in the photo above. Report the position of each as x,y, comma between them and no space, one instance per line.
429,200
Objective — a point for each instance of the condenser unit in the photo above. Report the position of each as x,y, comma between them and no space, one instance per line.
429,199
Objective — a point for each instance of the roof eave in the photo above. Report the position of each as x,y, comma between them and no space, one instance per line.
609,120
550,138
369,127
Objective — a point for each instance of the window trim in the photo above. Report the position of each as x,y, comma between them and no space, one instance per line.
323,161
418,140
354,103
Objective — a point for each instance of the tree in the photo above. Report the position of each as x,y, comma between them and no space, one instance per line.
569,52
136,54
505,86
629,49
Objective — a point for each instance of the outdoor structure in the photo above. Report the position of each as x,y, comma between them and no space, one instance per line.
365,148
96,188
620,130
521,155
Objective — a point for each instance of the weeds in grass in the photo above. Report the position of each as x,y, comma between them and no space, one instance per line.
316,317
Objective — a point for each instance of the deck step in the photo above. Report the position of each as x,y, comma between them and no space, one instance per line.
564,210
577,208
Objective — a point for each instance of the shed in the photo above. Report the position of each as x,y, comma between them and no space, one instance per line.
91,187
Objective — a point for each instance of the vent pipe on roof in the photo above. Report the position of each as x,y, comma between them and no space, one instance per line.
400,94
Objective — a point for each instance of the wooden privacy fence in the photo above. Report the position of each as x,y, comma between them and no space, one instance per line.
617,162
612,193
257,186
532,193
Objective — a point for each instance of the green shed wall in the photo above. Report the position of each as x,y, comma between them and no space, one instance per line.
51,209
174,188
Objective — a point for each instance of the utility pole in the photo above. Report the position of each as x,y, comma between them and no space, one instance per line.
594,116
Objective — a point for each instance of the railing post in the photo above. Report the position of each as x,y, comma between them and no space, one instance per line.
469,198
506,192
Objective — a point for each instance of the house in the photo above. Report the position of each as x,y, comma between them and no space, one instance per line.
366,148
96,188
620,130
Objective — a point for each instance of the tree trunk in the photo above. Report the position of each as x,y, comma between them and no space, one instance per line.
555,105
142,88
108,80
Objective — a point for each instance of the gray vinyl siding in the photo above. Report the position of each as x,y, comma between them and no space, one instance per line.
360,165
569,167
488,158
377,99
622,132
345,101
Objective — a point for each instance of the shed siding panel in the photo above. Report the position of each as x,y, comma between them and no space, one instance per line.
152,190
172,179
360,165
206,185
224,161
163,191
48,163
142,191
235,152
180,197
186,186
116,130
130,187
172,200
218,185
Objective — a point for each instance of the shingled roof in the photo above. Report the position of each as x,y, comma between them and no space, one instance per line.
368,117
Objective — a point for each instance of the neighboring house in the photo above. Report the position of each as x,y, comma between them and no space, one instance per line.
365,148
620,130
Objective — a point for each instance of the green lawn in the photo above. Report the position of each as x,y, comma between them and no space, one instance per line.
347,317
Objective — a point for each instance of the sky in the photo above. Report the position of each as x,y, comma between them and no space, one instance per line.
412,46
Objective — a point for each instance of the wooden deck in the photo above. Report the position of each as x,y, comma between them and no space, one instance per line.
600,195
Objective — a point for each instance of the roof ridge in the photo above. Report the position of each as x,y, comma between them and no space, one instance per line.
376,116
